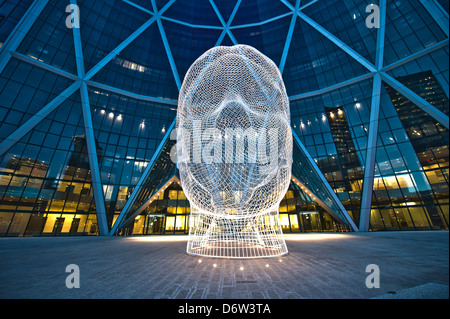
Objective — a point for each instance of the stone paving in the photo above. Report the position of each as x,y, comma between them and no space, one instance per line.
318,266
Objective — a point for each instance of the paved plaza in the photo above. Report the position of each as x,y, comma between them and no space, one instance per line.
318,266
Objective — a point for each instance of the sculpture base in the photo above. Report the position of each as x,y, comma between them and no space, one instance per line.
230,237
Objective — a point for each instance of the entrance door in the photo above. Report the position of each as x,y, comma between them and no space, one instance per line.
58,224
75,225
155,224
311,221
306,221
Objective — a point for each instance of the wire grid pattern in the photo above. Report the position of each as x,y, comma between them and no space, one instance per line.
234,146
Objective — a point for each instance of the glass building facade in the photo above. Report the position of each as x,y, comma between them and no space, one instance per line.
88,99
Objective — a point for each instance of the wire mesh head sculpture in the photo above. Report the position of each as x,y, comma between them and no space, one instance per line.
234,146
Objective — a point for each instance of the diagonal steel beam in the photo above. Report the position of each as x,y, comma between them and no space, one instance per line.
289,5
216,10
78,47
287,43
226,26
45,66
416,99
21,29
91,83
380,36
315,198
230,20
93,162
126,209
95,69
355,55
7,51
347,49
141,208
173,66
415,56
169,54
191,25
256,24
14,137
308,4
96,180
386,68
131,3
136,96
333,87
330,191
369,167
437,13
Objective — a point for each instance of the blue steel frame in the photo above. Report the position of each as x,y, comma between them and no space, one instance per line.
330,191
19,32
226,26
82,80
90,137
369,167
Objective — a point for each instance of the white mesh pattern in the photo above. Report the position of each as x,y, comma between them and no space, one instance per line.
234,146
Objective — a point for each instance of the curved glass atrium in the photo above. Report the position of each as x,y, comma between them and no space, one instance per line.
88,99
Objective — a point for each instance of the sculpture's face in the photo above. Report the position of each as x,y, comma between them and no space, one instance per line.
234,140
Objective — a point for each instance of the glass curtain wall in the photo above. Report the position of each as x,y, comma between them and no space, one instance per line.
169,213
134,62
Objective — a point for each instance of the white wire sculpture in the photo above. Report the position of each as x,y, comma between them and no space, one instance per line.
234,146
